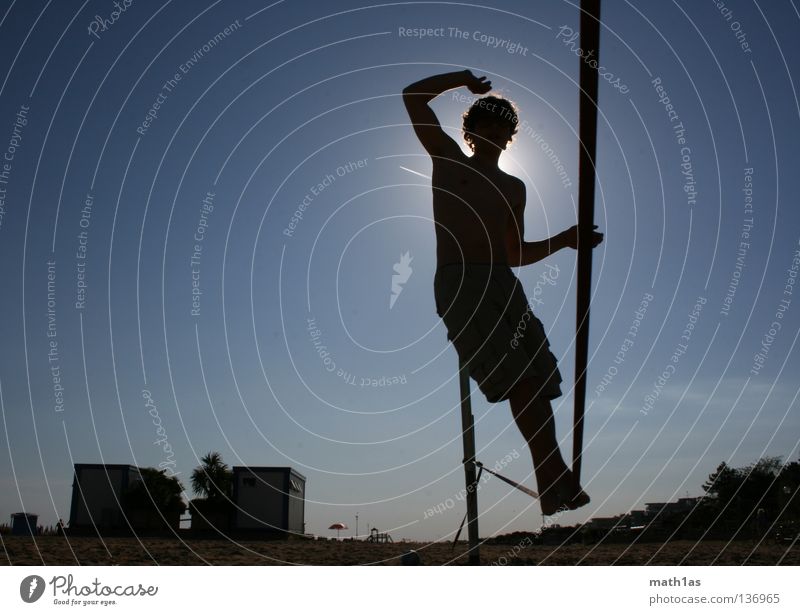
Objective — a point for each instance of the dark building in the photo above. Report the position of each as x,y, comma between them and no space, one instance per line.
268,499
97,495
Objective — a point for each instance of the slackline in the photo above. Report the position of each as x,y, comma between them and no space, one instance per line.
505,479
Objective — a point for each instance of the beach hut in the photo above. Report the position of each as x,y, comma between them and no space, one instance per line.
269,499
23,524
97,495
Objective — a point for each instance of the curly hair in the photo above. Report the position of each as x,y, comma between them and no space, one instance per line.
489,107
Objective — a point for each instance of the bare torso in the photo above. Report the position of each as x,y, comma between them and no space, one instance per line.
471,207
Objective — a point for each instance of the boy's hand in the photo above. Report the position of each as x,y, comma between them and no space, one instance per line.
571,237
477,85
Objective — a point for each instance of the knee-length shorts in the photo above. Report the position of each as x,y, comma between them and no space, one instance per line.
493,328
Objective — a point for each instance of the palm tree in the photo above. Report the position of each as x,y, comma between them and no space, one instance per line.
212,479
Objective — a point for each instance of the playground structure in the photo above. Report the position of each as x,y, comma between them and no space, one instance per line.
378,537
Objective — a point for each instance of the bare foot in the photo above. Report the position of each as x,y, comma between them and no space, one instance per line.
563,494
579,498
551,502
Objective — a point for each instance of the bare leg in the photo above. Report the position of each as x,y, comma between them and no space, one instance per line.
534,418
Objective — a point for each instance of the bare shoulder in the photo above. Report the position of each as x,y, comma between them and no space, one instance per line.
516,182
451,164
452,154
517,187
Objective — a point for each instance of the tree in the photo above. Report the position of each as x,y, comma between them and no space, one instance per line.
154,501
760,486
789,492
738,494
722,483
212,480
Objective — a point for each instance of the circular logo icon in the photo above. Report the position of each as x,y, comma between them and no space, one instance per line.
31,588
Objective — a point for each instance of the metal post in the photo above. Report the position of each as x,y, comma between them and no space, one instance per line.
468,437
587,118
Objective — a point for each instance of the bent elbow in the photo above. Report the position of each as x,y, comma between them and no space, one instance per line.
408,98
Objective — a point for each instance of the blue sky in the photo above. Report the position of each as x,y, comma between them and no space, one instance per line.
297,106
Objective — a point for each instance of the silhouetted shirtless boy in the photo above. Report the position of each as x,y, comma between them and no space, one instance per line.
478,210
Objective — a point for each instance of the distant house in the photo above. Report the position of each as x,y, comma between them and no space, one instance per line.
636,519
686,504
97,495
665,509
606,523
655,508
268,499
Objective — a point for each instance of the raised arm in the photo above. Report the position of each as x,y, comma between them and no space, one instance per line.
521,252
426,125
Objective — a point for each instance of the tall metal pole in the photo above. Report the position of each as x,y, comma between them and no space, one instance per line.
587,114
468,437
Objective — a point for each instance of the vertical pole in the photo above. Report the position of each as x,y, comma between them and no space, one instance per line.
587,117
468,437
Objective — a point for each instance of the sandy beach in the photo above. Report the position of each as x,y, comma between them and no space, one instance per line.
56,550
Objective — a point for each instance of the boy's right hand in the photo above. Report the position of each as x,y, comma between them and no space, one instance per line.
571,237
477,85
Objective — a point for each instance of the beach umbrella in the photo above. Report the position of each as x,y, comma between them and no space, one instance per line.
338,527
